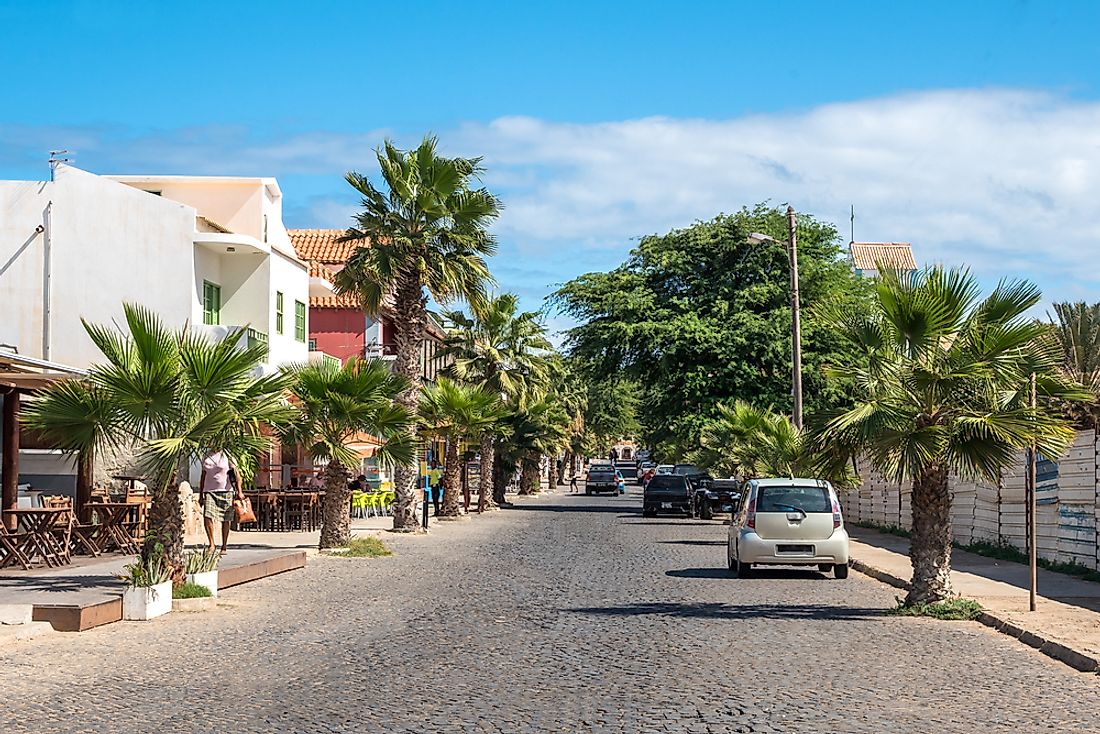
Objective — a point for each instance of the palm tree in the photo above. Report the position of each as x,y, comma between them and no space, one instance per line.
428,231
171,394
753,442
501,351
334,405
1077,331
535,431
457,412
943,388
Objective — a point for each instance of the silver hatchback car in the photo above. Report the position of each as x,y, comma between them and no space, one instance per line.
788,522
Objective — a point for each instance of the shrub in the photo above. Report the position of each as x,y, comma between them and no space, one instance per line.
202,560
948,609
369,547
190,591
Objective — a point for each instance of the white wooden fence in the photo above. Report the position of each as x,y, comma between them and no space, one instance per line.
1068,502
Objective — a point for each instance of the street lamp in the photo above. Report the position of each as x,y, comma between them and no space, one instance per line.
796,328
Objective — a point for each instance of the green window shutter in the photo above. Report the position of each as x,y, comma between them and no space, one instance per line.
299,321
278,312
211,303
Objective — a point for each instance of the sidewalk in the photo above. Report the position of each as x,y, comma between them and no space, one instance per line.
1066,625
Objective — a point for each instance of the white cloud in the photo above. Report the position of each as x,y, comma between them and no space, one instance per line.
1004,180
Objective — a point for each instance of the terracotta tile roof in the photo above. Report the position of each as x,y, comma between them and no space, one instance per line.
203,224
320,270
321,245
871,255
334,302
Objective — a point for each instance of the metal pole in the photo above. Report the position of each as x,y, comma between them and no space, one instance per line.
1033,555
427,484
796,327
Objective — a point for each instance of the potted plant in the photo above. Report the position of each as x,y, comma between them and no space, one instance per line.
191,597
202,569
148,588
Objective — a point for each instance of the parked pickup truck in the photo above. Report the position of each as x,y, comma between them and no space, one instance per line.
601,479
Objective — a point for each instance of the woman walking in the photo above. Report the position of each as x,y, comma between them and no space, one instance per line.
216,492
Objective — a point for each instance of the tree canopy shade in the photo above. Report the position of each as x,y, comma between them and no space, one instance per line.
701,315
943,386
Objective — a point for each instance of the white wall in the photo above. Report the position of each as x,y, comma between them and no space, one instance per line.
109,243
292,278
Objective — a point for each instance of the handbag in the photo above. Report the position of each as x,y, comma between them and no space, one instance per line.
243,510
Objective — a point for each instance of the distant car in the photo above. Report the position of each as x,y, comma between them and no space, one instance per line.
718,495
687,469
663,469
629,469
601,478
668,493
785,522
621,482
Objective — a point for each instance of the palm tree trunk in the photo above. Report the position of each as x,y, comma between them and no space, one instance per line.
452,480
529,477
930,543
566,462
336,511
500,479
165,533
408,323
485,499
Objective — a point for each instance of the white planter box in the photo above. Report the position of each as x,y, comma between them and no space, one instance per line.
209,579
147,602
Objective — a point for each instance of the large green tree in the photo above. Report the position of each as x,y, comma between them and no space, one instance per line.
701,315
427,233
943,383
334,405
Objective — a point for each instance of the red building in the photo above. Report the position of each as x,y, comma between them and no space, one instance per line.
337,324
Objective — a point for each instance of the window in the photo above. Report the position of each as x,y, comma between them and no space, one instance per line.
211,303
278,312
313,345
299,321
793,499
265,228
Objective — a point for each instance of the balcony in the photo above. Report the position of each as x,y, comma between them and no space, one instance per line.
248,337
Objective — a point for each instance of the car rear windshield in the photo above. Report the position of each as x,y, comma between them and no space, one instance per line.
792,499
601,476
664,481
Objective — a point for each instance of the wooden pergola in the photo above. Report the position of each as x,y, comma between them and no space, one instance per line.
21,376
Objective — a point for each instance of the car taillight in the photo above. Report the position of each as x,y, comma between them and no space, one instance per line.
750,515
836,514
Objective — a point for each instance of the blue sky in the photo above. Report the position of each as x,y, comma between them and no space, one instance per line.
970,129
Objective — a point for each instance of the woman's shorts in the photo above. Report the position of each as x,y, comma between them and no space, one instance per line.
219,506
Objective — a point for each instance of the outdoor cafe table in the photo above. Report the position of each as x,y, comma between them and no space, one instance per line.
41,525
281,510
115,531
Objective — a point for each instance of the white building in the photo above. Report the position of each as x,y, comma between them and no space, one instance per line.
211,251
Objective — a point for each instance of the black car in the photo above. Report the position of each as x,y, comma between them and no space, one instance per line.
669,493
716,495
601,479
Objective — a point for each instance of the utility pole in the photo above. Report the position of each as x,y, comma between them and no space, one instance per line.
796,327
1032,472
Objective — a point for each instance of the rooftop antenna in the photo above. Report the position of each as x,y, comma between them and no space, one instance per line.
853,223
55,161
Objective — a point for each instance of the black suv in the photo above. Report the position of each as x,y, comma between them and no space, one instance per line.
668,493
716,495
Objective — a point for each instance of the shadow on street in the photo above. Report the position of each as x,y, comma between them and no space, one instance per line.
717,610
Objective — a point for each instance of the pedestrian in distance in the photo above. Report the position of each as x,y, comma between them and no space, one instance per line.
217,486
573,484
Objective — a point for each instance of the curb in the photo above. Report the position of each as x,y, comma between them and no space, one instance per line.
1077,660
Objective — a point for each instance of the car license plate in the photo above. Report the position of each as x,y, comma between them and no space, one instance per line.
666,505
802,550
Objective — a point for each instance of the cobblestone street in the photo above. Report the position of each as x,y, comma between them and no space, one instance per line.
565,614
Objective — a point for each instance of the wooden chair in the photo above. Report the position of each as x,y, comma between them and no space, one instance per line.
13,548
